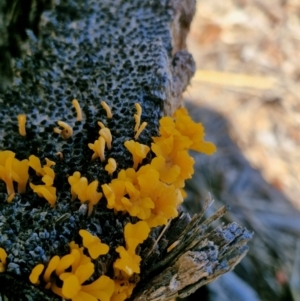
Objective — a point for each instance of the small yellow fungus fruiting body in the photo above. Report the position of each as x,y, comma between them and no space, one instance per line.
101,125
139,151
64,263
93,244
111,166
35,163
72,181
49,163
128,262
20,174
141,128
134,234
76,105
106,134
84,191
137,117
138,109
52,265
72,288
22,123
137,120
3,256
35,274
98,147
11,169
6,170
194,131
107,109
10,198
46,192
57,130
49,176
67,131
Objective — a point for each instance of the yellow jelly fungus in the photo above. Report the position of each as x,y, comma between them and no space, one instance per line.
22,123
111,166
72,282
6,165
10,198
76,105
194,131
64,263
35,274
101,125
72,181
52,265
35,163
98,147
101,289
137,120
80,189
166,197
174,164
139,151
136,204
93,196
3,256
137,117
46,192
128,174
138,109
57,130
128,262
79,257
12,169
67,131
135,234
107,109
49,176
49,163
84,191
106,134
20,174
93,244
141,128
113,192
183,193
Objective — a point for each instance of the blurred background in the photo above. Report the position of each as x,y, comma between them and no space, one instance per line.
246,92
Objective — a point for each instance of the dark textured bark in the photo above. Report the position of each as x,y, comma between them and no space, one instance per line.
16,17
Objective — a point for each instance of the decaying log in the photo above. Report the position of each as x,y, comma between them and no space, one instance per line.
124,52
201,256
